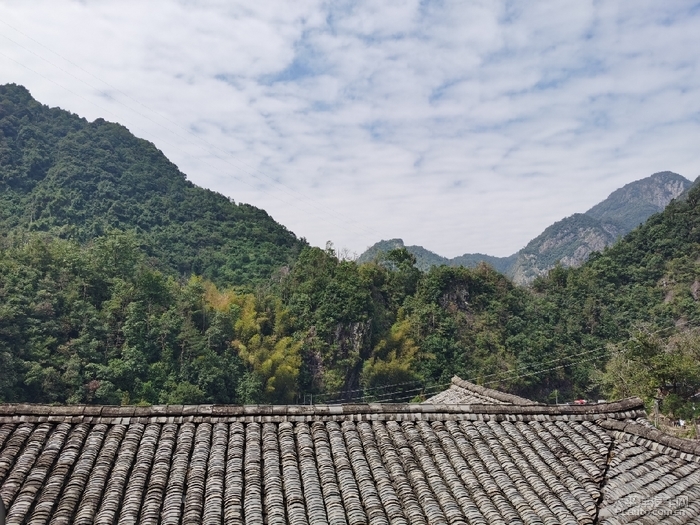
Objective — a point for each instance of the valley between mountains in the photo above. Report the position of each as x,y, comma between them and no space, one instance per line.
568,242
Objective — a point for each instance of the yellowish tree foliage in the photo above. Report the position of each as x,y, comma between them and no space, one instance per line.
392,361
260,342
277,362
261,328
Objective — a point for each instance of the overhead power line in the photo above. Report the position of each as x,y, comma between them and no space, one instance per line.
342,393
398,395
371,388
391,395
524,368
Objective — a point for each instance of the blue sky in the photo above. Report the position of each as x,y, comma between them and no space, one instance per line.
459,126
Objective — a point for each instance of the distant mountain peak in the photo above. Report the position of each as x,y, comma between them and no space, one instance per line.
571,240
631,205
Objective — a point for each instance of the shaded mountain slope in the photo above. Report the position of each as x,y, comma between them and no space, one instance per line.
569,241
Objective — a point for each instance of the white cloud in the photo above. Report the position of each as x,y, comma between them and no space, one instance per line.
462,127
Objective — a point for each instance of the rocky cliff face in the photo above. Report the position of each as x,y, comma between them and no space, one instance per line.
634,203
572,240
569,242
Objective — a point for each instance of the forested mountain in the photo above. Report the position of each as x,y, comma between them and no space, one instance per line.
472,260
571,240
78,179
98,323
105,298
641,297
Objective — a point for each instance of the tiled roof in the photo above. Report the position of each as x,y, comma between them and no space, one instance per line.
466,393
341,465
651,476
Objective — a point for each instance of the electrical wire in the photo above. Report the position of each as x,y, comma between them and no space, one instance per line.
388,395
538,372
381,387
524,368
398,395
498,374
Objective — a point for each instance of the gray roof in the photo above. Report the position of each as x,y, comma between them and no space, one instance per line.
341,465
466,393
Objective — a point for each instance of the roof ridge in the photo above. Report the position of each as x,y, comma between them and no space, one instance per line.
210,410
492,393
652,437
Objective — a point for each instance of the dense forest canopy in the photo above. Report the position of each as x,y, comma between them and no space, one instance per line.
121,282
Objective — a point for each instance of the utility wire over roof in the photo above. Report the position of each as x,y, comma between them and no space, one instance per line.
482,463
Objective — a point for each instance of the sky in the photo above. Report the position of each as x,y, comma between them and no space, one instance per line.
459,126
